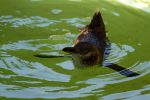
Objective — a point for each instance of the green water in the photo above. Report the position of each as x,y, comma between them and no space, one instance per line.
29,27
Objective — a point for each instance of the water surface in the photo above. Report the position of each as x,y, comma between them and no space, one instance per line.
29,27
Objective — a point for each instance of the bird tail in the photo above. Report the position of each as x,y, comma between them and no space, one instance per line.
97,25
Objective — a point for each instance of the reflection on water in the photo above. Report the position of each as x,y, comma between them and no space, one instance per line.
34,21
77,22
140,4
38,21
32,69
66,65
36,70
24,76
135,95
118,52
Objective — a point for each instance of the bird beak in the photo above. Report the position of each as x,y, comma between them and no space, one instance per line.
69,50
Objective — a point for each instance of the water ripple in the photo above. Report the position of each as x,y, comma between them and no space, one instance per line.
38,21
33,21
33,70
36,70
133,95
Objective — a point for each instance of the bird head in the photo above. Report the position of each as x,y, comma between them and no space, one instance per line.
84,54
82,49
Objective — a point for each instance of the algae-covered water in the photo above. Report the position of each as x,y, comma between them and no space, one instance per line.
29,27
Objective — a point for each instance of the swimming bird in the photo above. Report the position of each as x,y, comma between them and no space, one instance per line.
92,47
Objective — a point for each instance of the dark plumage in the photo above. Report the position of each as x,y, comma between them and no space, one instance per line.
90,44
90,47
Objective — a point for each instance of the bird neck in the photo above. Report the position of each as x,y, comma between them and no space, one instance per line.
87,60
